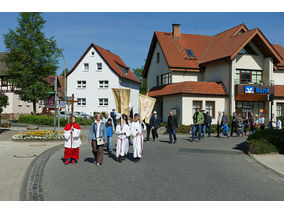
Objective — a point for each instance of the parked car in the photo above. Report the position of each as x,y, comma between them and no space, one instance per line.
62,115
86,115
82,115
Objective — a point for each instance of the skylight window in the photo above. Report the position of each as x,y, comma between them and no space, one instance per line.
189,52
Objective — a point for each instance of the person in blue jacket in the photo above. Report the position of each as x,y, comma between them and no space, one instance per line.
109,131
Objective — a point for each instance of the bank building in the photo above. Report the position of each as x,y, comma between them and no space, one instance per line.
234,71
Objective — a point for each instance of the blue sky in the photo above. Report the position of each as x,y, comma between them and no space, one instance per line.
129,34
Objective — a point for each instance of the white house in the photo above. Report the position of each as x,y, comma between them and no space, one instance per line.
92,77
186,71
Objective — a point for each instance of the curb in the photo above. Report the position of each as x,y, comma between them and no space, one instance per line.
265,166
35,167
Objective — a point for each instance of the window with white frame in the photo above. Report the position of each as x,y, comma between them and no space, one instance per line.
103,84
92,53
166,79
81,102
99,66
279,109
103,102
81,84
86,66
210,107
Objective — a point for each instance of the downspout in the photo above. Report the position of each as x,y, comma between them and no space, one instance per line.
230,82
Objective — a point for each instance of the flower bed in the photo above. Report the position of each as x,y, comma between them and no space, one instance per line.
39,136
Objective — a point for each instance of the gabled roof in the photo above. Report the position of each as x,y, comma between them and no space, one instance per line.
206,49
112,60
280,50
189,87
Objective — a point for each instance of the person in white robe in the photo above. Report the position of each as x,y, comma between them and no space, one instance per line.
137,127
123,132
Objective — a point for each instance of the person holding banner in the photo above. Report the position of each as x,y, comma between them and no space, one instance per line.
137,128
72,133
123,132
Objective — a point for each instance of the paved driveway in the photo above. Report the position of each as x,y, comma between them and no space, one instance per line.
214,169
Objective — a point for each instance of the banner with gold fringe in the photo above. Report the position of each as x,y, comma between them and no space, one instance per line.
145,105
122,99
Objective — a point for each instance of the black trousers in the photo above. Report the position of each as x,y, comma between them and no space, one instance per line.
148,131
154,133
218,130
233,127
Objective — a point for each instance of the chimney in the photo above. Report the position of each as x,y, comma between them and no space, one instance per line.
176,31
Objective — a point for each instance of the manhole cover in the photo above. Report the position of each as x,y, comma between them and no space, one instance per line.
25,155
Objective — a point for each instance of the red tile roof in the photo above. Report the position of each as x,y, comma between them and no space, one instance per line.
279,90
207,48
280,50
189,87
112,60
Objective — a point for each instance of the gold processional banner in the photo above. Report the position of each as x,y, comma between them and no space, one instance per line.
122,99
146,105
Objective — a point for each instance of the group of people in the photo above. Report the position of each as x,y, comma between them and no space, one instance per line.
100,135
201,122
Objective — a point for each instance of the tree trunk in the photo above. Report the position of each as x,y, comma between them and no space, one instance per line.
34,107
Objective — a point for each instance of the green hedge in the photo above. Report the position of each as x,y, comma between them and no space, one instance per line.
49,120
266,141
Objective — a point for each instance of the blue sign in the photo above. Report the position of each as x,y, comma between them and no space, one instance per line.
249,89
62,104
252,89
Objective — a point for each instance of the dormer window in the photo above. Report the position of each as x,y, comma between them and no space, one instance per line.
124,69
189,53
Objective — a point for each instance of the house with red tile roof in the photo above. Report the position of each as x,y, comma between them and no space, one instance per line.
92,77
234,71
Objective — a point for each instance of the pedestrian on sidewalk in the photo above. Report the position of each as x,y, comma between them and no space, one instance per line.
225,125
109,131
261,122
203,125
245,124
97,138
72,132
123,132
239,125
208,122
172,124
154,125
148,131
198,119
137,128
274,120
234,123
252,123
279,124
219,123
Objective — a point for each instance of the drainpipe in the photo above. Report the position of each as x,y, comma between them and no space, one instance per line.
230,86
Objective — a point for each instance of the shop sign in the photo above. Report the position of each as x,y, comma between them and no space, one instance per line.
252,89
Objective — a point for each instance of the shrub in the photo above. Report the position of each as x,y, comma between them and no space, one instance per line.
282,120
266,141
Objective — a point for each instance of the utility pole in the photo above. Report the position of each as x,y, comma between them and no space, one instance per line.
55,101
58,104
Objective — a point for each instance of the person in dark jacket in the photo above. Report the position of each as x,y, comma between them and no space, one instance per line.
172,124
208,121
155,124
203,125
234,123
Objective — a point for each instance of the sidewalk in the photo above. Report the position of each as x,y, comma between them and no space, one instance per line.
15,158
274,162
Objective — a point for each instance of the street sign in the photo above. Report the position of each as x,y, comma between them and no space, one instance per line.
63,104
50,92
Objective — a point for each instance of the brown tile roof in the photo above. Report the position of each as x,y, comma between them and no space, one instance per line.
112,60
279,90
207,48
3,66
189,87
280,50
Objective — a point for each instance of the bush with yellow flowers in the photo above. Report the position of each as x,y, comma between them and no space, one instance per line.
39,135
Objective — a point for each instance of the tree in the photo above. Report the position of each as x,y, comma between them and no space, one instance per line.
62,73
3,101
31,57
143,86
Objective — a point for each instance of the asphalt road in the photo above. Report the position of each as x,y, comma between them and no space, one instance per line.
215,169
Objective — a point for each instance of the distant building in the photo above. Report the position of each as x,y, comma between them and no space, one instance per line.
16,106
92,77
234,70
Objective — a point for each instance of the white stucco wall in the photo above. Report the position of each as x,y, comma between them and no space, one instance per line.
185,76
251,62
218,71
278,77
17,106
92,92
221,104
156,69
